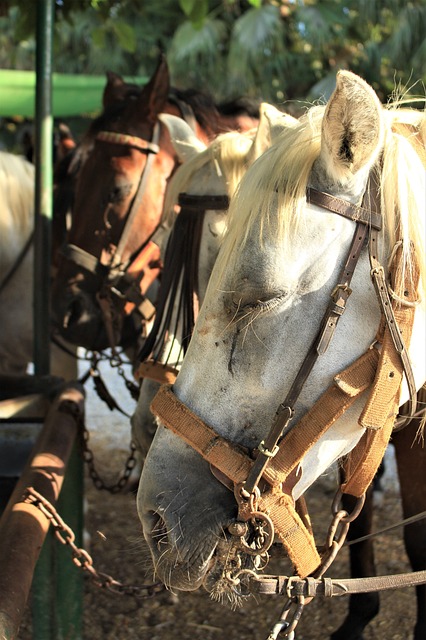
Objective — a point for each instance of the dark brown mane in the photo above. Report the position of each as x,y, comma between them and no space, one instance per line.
202,104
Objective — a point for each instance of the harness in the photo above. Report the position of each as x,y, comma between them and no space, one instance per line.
262,482
128,281
178,296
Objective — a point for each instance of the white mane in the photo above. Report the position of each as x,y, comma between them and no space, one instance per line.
17,198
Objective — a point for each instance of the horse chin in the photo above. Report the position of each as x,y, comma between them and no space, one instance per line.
180,576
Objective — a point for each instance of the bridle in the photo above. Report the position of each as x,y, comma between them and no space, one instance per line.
262,481
178,300
128,281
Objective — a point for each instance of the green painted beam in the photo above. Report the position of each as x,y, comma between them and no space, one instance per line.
72,95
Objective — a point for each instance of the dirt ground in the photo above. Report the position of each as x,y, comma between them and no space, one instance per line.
117,549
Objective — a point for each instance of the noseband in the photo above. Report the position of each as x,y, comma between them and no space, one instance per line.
263,481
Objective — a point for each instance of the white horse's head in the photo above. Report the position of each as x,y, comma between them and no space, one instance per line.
271,285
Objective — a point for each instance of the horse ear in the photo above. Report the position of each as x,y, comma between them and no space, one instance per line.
185,142
271,122
154,95
352,129
113,86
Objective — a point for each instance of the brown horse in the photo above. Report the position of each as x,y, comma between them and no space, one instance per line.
112,255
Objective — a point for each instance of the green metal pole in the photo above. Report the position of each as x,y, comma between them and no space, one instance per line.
43,586
43,186
57,588
69,578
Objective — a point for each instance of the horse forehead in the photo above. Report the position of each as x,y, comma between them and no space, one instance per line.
318,238
208,180
124,165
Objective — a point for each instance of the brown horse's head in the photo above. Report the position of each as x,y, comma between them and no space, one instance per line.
109,260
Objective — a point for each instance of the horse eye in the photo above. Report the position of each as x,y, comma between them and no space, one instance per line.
261,305
115,195
118,193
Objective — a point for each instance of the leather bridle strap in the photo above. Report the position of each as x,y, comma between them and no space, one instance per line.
80,256
138,197
328,587
129,141
198,203
344,208
177,302
335,310
381,409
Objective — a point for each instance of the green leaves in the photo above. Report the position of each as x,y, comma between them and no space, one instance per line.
272,49
195,10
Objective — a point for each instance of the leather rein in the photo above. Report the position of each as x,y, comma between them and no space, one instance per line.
262,486
178,302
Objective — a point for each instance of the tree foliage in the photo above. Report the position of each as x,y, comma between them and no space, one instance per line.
272,49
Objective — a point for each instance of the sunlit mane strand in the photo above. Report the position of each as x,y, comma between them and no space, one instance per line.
229,151
272,191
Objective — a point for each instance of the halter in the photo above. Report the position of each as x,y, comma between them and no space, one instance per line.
261,486
131,280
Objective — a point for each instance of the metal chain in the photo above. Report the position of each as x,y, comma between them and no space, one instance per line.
88,456
81,558
337,531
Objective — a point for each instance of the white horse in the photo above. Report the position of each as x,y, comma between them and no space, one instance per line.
16,271
206,171
281,259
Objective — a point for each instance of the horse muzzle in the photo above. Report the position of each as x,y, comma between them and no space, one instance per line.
78,318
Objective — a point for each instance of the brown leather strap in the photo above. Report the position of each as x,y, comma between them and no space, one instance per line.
328,587
156,371
130,141
137,200
281,424
344,208
235,464
404,315
230,459
381,409
347,387
293,531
